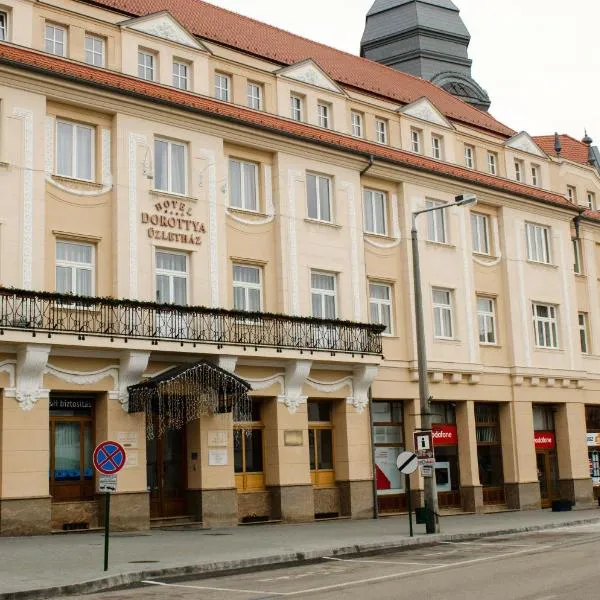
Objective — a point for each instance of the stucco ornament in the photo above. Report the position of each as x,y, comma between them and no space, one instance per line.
31,364
165,27
132,366
295,376
424,110
308,73
363,378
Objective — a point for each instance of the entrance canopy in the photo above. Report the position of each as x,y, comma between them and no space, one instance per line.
185,393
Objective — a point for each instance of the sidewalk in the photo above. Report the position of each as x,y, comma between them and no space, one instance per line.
43,567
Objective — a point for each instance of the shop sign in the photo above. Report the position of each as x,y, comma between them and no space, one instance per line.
593,439
544,440
171,222
445,435
69,404
424,447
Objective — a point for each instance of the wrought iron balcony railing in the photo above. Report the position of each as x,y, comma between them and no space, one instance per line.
46,312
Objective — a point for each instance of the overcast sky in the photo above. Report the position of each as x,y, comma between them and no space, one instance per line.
538,59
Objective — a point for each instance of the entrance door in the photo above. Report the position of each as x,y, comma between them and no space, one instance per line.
166,470
548,477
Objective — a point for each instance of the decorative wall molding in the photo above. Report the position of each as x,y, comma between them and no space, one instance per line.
354,258
523,141
84,377
267,382
397,234
163,25
31,364
424,110
468,283
8,366
269,206
227,362
135,140
330,386
362,380
213,232
292,267
132,366
307,71
296,373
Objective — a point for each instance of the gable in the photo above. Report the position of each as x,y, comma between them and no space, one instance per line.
308,72
424,110
523,141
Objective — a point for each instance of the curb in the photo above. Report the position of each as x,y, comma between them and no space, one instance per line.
275,560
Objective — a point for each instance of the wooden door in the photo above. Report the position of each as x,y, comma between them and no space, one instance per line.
547,467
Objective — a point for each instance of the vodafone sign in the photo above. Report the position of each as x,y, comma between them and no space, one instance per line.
445,435
544,440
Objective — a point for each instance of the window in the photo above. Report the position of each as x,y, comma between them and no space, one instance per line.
171,278
146,65
591,200
222,87
436,146
248,452
94,50
357,124
416,136
3,26
535,175
486,317
538,243
181,75
578,263
247,288
380,302
297,108
323,294
436,224
323,113
170,166
545,325
320,443
572,194
319,197
74,150
543,417
492,163
381,128
469,157
442,314
55,39
519,170
480,233
489,449
243,181
74,268
255,95
388,438
375,207
583,332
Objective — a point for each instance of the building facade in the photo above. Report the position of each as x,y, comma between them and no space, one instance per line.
192,198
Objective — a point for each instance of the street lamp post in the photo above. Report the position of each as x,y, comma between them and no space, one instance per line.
431,500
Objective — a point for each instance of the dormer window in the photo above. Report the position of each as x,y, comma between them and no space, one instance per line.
519,170
436,147
469,157
324,115
55,39
416,136
381,130
181,75
357,124
3,26
572,194
492,163
535,175
222,87
296,108
94,50
146,65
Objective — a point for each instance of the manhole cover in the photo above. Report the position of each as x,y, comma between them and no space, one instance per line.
140,562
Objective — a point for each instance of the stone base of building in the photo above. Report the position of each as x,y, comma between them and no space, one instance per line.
293,503
75,515
471,498
214,508
578,491
25,516
356,499
254,506
128,511
523,496
327,502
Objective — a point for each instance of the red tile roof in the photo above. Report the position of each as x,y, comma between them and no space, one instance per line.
231,29
84,74
572,149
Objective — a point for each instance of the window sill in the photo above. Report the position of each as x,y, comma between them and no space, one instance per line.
440,244
542,264
4,164
85,183
180,197
453,341
322,223
484,255
546,349
380,236
247,211
484,345
580,276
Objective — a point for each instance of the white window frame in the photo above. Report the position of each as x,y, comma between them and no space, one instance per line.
486,321
74,266
296,107
441,308
319,216
93,52
146,68
4,28
380,304
572,193
245,164
222,87
469,156
171,274
539,239
480,233
323,115
357,124
535,175
492,163
369,196
181,80
436,221
577,257
52,39
591,200
323,292
519,170
254,95
584,338
74,162
437,146
549,326
416,140
247,286
169,189
381,131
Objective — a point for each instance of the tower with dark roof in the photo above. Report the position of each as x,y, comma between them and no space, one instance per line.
426,38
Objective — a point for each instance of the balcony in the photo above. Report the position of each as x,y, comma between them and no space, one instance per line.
51,313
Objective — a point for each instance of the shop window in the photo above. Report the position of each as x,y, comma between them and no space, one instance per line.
489,449
445,440
592,418
320,438
388,438
248,452
71,448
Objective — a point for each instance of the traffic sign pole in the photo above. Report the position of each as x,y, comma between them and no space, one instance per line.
409,503
407,463
106,528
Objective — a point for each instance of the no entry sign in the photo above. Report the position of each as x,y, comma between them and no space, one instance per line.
109,458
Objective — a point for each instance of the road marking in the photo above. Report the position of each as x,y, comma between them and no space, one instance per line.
384,562
489,544
212,589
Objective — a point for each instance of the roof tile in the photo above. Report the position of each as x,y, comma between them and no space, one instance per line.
572,149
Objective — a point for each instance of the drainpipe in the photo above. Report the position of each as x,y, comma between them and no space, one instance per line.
371,161
576,222
375,507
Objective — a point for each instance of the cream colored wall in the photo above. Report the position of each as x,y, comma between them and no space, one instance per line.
20,21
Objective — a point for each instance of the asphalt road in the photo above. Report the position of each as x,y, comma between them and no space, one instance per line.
552,565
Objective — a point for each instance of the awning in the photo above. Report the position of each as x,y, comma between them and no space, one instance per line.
185,393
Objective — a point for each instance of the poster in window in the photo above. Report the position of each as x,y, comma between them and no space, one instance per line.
389,479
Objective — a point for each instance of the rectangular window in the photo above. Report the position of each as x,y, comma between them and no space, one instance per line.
380,302
442,314
416,136
388,438
75,150
519,170
381,128
489,449
170,166
320,443
375,207
469,157
591,200
538,243
535,175
357,124
583,332
222,87
480,233
247,288
248,451
243,181
436,146
492,163
181,75
486,318
545,325
323,113
436,224
296,108
3,26
171,278
55,39
318,189
94,50
572,194
323,295
578,263
255,95
146,65
74,268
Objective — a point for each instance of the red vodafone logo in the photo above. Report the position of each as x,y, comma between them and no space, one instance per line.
445,435
544,440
